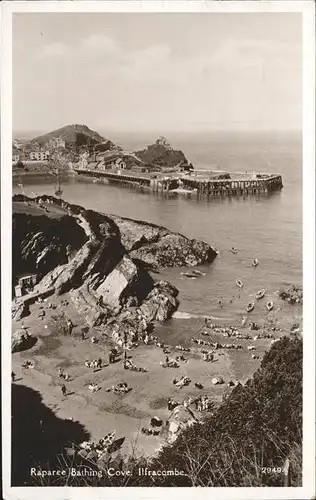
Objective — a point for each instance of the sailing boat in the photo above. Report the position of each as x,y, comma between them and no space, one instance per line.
58,188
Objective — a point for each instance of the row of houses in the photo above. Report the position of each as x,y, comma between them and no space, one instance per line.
109,160
32,156
35,151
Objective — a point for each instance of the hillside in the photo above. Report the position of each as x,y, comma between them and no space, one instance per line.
75,136
161,154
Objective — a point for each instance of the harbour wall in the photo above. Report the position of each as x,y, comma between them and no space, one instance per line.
240,184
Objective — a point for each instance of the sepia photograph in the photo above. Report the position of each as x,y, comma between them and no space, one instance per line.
152,179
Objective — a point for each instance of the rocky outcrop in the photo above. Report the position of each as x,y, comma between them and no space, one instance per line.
180,418
160,303
293,294
159,247
41,243
21,340
100,261
161,154
20,309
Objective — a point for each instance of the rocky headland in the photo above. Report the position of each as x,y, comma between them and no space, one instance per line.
102,261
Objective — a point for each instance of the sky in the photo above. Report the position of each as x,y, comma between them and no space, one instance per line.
157,72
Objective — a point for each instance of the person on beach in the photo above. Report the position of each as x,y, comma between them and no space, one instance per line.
146,339
63,390
61,373
167,360
69,326
99,364
169,403
12,376
100,301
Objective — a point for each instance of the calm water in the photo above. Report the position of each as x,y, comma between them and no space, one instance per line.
265,227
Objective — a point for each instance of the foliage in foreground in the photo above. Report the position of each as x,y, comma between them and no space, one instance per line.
244,443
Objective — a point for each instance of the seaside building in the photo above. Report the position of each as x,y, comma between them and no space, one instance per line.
25,284
39,155
109,160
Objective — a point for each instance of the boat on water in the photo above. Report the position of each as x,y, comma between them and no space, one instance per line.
239,283
233,250
193,274
269,305
250,306
183,191
260,294
255,262
58,188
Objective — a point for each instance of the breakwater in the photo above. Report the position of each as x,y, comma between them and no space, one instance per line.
201,183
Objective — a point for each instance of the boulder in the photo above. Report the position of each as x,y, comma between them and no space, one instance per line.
119,283
161,302
21,340
180,418
87,305
20,309
217,381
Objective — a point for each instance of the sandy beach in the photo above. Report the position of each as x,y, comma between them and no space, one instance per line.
102,412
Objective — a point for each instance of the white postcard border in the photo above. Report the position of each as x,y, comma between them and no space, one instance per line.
308,10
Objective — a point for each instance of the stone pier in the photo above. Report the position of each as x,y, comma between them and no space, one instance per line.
203,183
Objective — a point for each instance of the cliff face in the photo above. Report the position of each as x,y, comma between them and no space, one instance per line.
100,261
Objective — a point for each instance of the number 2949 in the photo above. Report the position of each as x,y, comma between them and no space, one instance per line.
272,470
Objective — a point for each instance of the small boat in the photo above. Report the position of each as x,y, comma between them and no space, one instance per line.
250,306
239,283
255,262
260,294
58,189
233,250
193,274
270,305
189,275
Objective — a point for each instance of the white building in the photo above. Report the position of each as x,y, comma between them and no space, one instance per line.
39,155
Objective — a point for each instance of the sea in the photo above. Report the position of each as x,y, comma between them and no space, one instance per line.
268,227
